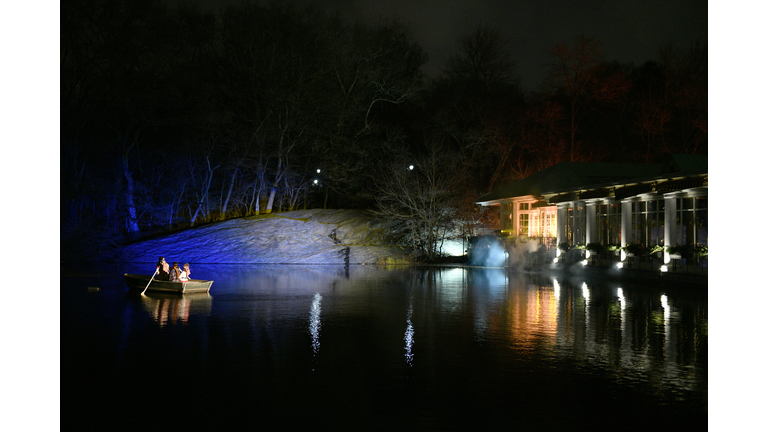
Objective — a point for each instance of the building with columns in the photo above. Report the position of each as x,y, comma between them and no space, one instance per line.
621,204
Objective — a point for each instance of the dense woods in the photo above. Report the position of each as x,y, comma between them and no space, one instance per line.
172,117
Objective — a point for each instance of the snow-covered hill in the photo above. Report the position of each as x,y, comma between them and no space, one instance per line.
303,236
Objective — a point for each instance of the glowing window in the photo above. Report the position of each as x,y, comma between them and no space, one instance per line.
523,227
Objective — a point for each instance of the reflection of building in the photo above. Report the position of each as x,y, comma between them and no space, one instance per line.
533,315
620,204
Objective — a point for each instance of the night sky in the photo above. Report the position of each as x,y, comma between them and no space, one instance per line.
630,31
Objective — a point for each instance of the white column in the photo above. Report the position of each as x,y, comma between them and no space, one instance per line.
591,223
626,223
515,218
503,215
670,225
561,212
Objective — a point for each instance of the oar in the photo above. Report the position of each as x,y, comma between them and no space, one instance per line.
150,280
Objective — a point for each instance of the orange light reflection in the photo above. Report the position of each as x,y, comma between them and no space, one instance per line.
534,316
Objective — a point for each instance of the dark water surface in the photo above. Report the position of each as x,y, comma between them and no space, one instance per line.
362,348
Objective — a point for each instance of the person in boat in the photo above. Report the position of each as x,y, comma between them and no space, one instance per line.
175,273
184,276
162,269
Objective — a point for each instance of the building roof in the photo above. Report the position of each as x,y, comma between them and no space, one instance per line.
686,164
572,175
575,176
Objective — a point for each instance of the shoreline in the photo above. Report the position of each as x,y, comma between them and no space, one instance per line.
600,273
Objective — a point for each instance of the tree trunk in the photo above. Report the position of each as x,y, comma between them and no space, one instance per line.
133,220
204,198
271,200
229,194
273,191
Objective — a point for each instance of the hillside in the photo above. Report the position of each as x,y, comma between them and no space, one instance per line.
298,237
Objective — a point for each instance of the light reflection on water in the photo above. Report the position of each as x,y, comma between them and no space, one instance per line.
314,322
486,338
409,335
171,309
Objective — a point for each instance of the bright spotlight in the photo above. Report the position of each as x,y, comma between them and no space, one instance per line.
556,260
585,262
588,254
664,268
316,181
620,265
410,167
318,170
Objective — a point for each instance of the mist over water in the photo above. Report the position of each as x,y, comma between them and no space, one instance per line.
490,252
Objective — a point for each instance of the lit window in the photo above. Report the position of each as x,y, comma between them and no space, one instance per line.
524,224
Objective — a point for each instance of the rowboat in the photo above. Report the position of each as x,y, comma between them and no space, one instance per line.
139,282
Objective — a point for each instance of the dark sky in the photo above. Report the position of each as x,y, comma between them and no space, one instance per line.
630,31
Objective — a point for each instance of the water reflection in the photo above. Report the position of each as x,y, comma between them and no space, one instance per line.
533,315
489,341
622,301
171,309
409,335
314,322
583,322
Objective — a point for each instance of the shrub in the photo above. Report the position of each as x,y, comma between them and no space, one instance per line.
595,247
634,248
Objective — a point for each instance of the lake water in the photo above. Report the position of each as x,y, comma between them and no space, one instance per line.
364,348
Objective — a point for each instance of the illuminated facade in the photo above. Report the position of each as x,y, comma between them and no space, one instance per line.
582,203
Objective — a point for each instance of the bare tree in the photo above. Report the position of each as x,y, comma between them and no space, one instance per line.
483,59
575,68
421,199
